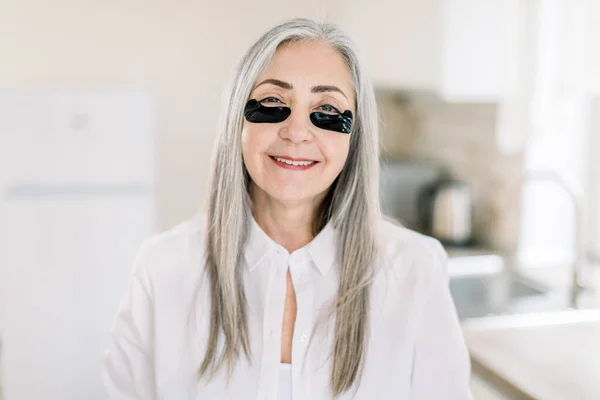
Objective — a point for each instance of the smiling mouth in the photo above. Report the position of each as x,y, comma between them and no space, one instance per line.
296,164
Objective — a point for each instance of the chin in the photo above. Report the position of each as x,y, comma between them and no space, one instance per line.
291,194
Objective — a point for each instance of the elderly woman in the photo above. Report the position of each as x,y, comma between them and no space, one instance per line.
292,285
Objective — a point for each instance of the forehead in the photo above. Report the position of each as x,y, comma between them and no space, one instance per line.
305,64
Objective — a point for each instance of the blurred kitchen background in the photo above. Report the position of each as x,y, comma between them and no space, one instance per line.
490,131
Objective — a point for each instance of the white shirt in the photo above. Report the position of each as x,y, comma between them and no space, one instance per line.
284,388
416,349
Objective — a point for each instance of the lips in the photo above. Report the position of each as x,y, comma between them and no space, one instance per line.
292,158
293,163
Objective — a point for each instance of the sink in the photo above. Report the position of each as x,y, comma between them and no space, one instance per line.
485,283
478,289
492,294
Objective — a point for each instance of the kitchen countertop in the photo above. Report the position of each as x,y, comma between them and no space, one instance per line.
551,356
455,252
531,347
473,260
482,390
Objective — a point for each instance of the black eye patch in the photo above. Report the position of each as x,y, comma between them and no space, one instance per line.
333,122
257,113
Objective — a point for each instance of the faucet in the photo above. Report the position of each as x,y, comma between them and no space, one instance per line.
576,198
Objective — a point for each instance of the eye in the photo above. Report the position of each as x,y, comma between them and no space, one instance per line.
328,108
270,100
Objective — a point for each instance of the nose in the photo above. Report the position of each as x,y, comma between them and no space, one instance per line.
296,127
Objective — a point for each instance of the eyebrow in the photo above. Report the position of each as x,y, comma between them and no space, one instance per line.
314,89
276,82
327,88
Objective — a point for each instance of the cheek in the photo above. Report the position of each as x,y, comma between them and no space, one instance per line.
335,150
255,141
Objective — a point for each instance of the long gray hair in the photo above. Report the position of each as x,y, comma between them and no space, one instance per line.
352,204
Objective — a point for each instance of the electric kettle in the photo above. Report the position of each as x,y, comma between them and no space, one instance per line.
445,211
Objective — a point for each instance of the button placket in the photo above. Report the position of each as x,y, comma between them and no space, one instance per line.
299,268
272,323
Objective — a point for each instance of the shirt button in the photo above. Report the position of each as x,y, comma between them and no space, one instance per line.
302,278
303,338
271,332
299,257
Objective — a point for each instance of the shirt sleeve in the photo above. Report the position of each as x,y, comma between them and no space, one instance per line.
128,367
441,364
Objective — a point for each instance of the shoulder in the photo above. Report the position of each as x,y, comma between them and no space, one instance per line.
173,251
407,252
179,233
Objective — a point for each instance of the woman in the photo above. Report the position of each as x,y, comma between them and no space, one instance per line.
292,285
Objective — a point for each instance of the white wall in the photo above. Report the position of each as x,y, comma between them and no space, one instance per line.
593,199
593,43
182,50
461,139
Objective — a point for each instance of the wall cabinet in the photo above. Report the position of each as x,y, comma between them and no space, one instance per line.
457,49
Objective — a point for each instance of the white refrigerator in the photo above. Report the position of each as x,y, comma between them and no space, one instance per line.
77,197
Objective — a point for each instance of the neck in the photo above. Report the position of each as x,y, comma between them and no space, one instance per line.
288,224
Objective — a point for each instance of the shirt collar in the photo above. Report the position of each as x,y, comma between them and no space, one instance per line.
322,249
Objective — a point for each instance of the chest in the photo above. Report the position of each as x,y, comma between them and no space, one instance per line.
289,320
283,305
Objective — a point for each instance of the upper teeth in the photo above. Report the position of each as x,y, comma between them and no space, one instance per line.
290,162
